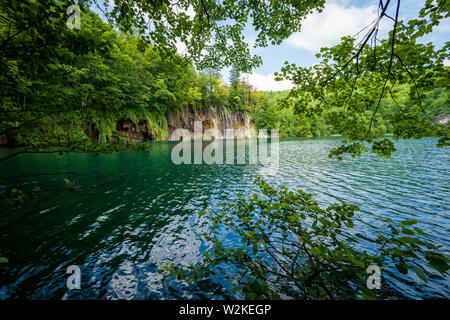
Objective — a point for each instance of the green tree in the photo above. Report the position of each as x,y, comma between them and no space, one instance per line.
210,26
353,79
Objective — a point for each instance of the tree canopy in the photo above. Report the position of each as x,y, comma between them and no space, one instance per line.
212,31
55,81
129,68
353,78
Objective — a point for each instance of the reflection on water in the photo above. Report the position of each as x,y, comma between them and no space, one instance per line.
136,209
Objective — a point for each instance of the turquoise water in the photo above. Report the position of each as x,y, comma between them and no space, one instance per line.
136,209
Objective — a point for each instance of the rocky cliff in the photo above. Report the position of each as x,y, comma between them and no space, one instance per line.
210,118
163,128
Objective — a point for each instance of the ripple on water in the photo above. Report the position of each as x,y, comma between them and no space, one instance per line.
141,210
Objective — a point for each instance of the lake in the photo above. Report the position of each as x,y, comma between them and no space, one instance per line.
131,210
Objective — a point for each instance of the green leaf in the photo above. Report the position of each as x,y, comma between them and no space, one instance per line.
402,267
420,274
406,239
419,231
409,222
349,224
315,251
438,264
407,231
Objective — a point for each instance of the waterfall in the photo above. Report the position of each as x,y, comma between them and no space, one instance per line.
247,126
214,119
229,121
226,120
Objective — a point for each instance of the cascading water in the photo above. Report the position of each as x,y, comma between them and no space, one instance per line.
247,126
227,121
216,127
213,111
214,119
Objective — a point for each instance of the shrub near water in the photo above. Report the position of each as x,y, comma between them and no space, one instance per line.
288,246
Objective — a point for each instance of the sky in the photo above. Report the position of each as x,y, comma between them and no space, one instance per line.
338,19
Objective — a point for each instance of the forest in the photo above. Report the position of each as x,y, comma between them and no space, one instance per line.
54,80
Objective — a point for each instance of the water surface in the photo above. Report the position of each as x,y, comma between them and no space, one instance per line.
136,209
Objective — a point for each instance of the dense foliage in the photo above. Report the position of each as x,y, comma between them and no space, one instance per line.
55,81
354,78
58,85
212,31
274,112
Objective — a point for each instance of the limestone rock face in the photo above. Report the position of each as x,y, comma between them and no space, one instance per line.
214,122
92,132
211,119
135,132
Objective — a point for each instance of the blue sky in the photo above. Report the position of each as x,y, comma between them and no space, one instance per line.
339,18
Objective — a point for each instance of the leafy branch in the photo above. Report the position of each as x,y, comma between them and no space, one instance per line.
285,244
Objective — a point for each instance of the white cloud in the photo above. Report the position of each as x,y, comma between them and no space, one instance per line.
447,63
325,29
190,12
181,48
444,25
266,82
